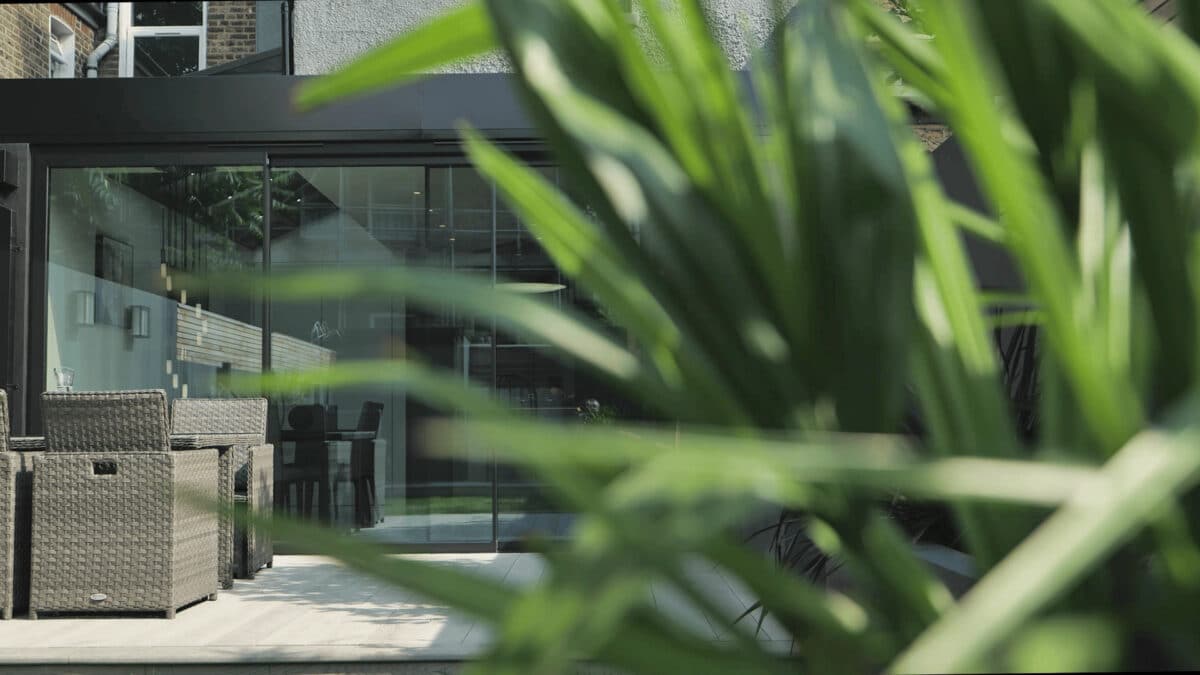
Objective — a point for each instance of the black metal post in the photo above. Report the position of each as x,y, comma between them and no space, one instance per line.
285,36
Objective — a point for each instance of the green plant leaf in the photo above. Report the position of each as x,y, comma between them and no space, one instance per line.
1155,467
580,250
513,312
1017,191
682,463
435,386
455,35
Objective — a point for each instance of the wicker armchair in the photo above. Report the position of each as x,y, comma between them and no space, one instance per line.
118,521
239,427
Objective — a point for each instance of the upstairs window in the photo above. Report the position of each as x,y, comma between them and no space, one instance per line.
162,39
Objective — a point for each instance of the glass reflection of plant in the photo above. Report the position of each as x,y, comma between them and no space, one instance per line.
215,216
86,197
169,55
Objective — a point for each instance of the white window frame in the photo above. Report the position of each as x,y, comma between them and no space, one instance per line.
127,33
63,37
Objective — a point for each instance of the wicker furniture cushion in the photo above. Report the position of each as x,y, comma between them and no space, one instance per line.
106,421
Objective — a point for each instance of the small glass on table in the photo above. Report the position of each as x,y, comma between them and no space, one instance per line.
64,378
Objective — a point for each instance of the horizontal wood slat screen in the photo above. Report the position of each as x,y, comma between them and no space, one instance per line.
239,344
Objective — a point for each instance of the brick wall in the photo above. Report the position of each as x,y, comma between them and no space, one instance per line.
25,39
230,31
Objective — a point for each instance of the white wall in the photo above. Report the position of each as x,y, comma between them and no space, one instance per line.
330,33
106,357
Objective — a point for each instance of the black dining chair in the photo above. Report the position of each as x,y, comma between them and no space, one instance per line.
308,473
362,465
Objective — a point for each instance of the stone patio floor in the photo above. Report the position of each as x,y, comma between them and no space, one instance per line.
307,615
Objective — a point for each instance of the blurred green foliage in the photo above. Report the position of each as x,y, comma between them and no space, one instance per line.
789,270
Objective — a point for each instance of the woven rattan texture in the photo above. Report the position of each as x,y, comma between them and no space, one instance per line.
243,419
132,540
225,519
241,425
113,421
4,429
196,526
7,534
178,442
22,467
259,477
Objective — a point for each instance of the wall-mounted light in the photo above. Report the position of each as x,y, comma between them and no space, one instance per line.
85,308
139,321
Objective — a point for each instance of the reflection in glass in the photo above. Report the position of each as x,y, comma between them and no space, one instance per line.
165,56
121,240
356,457
118,239
534,378
168,13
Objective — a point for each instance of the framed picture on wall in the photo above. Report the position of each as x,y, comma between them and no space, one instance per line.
114,273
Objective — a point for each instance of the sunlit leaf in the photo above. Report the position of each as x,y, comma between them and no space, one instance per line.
1153,468
455,35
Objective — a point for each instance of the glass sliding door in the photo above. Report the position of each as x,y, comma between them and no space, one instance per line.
452,498
121,242
356,457
121,314
536,379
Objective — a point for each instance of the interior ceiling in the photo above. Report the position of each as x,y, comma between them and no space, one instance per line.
403,185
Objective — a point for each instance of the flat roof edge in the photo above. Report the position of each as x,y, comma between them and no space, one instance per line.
251,108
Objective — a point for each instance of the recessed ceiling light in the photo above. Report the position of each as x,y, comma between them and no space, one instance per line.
529,287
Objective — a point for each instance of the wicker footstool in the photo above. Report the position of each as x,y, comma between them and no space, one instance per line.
123,532
120,521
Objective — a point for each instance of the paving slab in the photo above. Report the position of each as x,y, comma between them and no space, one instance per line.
309,613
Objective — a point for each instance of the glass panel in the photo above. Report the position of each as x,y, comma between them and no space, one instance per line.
168,13
166,56
356,457
533,377
119,239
